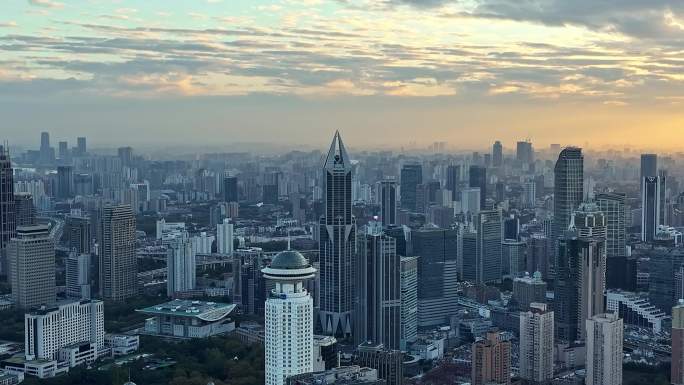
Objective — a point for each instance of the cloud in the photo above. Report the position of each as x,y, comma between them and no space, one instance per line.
45,3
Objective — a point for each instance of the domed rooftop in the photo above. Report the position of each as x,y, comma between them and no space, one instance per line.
289,260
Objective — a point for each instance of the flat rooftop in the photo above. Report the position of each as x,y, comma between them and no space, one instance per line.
206,311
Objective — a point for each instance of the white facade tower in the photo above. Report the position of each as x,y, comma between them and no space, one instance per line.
289,318
224,237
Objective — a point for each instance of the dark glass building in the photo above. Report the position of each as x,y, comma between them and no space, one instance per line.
478,178
411,177
568,188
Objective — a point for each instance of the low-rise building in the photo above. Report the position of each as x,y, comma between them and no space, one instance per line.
189,319
122,344
345,375
635,310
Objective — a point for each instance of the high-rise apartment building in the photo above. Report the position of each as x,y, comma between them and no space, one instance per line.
491,360
529,289
24,209
387,195
289,319
536,344
409,300
31,257
568,188
604,349
230,189
118,263
378,274
180,265
489,230
337,236
677,368
78,232
411,178
613,207
224,237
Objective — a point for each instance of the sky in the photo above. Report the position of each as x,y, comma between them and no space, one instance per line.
386,73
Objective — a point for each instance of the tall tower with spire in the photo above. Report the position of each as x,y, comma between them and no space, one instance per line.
337,235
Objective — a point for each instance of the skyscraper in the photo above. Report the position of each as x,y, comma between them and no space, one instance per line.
77,231
81,145
649,166
478,178
613,207
497,154
677,368
650,207
224,237
437,252
180,265
7,210
453,180
378,288
568,188
579,284
337,237
489,230
31,256
604,349
409,300
78,276
65,182
411,177
289,318
491,360
524,153
118,263
24,209
230,189
47,153
536,344
388,202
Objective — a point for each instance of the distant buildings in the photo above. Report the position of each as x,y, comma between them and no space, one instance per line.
489,230
224,237
613,207
411,177
8,223
650,207
604,349
491,360
409,300
388,202
180,265
478,179
536,344
497,154
118,264
527,290
31,256
289,318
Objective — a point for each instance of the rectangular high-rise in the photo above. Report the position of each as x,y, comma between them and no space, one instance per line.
31,257
491,360
8,223
180,265
536,344
77,232
649,166
118,263
24,209
337,232
65,182
78,277
388,202
677,368
489,230
230,189
453,181
613,207
437,252
604,349
378,288
650,207
478,179
411,177
224,237
568,188
409,300
497,154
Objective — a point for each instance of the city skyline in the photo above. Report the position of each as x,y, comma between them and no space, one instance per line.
387,73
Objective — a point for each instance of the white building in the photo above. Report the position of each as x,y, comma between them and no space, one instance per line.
536,343
188,319
289,318
470,200
201,244
165,228
122,344
635,309
61,332
78,276
180,264
224,235
604,349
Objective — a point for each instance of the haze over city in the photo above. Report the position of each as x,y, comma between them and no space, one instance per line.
387,73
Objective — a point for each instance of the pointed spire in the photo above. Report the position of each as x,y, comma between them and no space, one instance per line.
337,155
